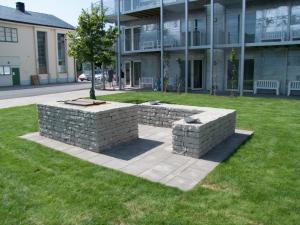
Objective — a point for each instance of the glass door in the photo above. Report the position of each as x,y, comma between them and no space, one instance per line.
249,74
197,74
137,34
137,70
128,40
198,31
128,73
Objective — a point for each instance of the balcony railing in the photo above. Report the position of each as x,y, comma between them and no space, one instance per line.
136,5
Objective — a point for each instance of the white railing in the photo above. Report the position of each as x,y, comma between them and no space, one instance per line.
295,34
148,45
267,84
293,86
273,36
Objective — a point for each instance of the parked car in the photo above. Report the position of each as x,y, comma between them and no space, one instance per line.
83,77
88,77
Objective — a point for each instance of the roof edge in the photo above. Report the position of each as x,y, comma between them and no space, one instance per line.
37,24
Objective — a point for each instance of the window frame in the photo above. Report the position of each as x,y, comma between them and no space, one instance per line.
58,52
11,34
2,73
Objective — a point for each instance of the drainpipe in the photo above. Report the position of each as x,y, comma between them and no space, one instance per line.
161,46
212,15
242,71
186,45
119,44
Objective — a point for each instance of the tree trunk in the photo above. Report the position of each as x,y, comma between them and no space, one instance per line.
92,91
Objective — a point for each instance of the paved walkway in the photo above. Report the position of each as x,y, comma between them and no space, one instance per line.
151,157
27,91
6,103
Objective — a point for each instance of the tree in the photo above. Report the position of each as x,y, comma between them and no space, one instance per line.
91,42
233,60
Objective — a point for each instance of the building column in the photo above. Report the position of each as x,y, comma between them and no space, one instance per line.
212,20
162,45
119,44
186,52
242,69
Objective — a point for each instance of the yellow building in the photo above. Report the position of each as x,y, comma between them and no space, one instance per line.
33,43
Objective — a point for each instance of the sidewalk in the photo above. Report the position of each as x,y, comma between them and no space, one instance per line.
6,103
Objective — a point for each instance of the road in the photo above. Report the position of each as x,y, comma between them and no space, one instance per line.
27,91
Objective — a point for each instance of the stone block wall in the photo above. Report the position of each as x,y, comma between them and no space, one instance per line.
94,130
195,140
163,115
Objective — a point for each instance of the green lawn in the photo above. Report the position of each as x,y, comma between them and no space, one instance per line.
259,184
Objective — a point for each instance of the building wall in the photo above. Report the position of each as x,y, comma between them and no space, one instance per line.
23,54
282,64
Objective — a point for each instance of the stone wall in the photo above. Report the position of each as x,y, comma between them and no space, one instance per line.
195,140
164,115
97,128
94,128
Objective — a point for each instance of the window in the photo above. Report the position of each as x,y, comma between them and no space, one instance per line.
61,49
5,70
8,34
42,59
2,34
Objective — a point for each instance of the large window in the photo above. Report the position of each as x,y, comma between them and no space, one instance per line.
5,70
128,40
61,49
8,34
295,23
41,42
272,24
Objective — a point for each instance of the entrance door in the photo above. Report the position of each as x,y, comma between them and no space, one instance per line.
137,70
128,73
197,75
16,76
249,74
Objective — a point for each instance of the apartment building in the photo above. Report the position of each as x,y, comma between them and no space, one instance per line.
33,43
194,39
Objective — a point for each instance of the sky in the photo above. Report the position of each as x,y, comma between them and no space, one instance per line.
67,10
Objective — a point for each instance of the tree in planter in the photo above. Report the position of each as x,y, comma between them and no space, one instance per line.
180,79
233,60
91,42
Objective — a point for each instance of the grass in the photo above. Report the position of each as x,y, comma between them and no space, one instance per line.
259,184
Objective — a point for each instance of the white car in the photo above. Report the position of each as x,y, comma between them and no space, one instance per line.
83,77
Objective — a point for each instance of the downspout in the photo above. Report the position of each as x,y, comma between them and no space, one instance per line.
211,45
119,44
186,45
161,46
242,70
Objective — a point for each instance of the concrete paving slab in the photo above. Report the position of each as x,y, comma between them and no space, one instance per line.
150,157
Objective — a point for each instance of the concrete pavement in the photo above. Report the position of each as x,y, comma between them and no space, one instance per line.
151,157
